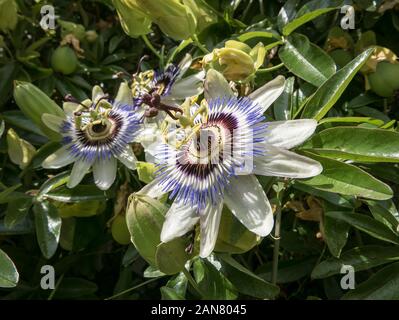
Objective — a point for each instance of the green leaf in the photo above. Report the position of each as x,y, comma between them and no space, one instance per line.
78,194
48,227
335,232
9,275
304,17
284,105
170,294
376,122
366,224
17,211
357,144
146,171
360,258
53,182
246,281
212,282
175,288
255,34
384,285
347,179
327,95
306,60
4,195
233,237
331,197
385,212
170,257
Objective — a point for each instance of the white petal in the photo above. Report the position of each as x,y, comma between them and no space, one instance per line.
79,170
188,87
216,86
69,108
52,121
184,64
153,190
283,163
104,172
179,219
209,220
291,133
128,158
124,95
58,159
248,202
96,94
267,94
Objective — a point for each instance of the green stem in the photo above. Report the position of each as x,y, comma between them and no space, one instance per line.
276,249
199,44
271,68
131,289
151,47
192,282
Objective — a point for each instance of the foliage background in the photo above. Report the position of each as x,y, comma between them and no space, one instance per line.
348,215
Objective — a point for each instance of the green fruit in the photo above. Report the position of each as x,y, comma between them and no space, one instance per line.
119,230
64,60
385,80
341,57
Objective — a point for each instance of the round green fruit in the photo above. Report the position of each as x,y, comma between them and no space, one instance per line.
385,80
341,57
119,230
64,60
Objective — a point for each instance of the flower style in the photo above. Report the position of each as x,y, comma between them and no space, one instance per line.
202,177
95,133
164,90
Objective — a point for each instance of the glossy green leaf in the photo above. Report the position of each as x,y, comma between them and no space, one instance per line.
9,275
357,144
384,285
347,179
284,105
233,237
335,231
366,224
327,95
48,227
77,194
5,194
17,211
385,212
360,258
304,17
212,282
246,281
306,60
170,257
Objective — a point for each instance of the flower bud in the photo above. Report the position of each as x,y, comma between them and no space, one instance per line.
34,103
135,22
20,151
237,61
204,16
91,36
8,15
145,217
173,18
76,29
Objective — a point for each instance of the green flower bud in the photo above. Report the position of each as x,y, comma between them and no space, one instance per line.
119,230
135,22
145,217
205,17
8,15
91,35
173,18
20,151
237,61
34,103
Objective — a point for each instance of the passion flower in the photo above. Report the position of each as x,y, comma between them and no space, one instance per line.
217,163
96,133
